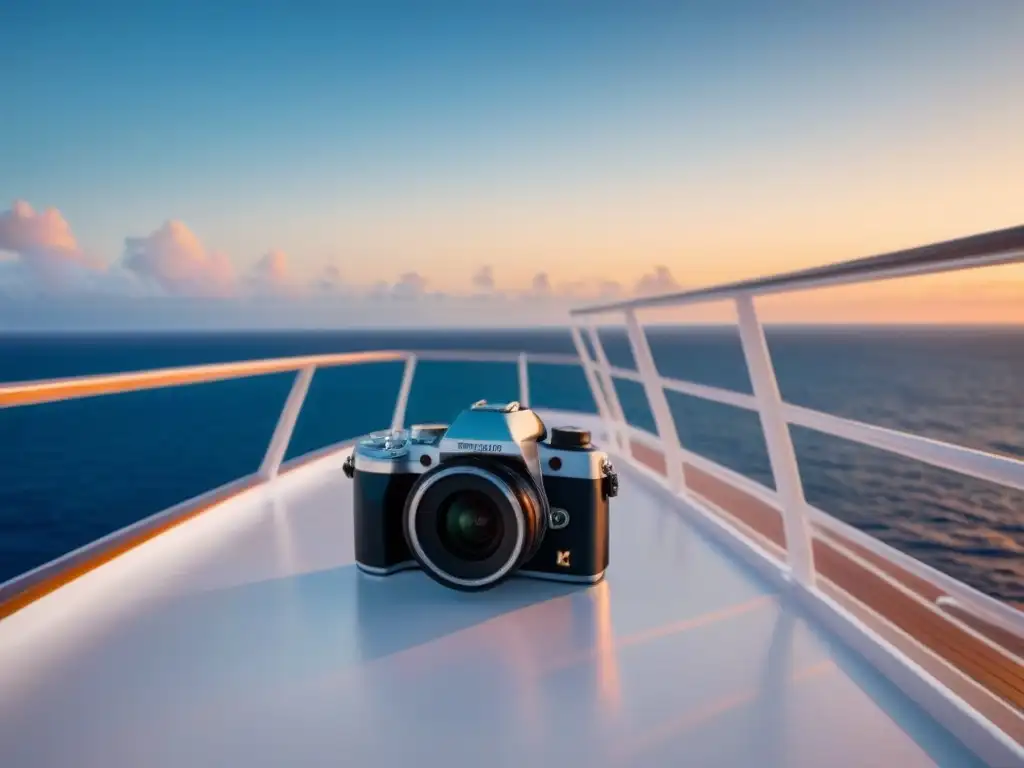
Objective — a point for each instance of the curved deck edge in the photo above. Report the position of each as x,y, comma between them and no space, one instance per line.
23,590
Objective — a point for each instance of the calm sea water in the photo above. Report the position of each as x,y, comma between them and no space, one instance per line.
71,472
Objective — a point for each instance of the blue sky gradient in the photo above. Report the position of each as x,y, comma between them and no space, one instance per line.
566,137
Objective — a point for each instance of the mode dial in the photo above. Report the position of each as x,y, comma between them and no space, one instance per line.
570,438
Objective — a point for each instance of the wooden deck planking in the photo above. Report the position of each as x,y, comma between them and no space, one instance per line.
842,562
1007,640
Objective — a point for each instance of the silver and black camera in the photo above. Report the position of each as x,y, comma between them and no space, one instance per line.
490,496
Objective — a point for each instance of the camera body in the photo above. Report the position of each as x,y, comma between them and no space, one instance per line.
490,496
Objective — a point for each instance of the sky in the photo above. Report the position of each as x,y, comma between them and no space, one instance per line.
333,164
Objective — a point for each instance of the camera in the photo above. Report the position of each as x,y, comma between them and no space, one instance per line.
489,496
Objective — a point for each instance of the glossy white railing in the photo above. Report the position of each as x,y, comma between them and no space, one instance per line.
39,392
776,416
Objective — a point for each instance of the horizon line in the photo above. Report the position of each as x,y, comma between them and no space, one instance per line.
422,329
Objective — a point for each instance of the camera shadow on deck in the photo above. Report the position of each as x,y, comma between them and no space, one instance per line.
399,613
281,633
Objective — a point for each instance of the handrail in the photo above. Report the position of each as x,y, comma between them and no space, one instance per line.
456,356
53,390
777,416
992,467
983,465
72,388
1002,246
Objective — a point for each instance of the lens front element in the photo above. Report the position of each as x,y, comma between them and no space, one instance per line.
470,525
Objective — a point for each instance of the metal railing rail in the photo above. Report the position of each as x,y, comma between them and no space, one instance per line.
1004,246
54,390
776,416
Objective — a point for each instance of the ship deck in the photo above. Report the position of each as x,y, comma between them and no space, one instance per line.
246,636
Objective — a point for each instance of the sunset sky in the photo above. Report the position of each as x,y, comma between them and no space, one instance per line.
279,164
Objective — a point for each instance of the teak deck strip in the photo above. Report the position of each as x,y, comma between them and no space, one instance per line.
938,632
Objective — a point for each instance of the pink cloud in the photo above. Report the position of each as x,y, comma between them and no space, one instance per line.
541,284
610,289
658,281
27,233
43,249
40,253
274,267
272,274
175,259
483,280
573,292
330,280
411,285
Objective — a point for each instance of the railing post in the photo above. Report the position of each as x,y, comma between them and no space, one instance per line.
398,417
663,419
611,394
595,386
286,423
524,381
779,441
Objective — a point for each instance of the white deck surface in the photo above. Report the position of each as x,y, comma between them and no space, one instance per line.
246,637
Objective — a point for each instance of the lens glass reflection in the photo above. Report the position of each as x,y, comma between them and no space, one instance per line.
470,525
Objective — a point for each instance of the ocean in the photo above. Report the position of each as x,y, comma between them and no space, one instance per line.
71,472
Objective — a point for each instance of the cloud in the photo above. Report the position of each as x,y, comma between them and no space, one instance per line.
329,280
540,286
658,281
186,282
173,258
411,285
590,290
28,234
610,290
272,275
483,280
273,267
42,252
573,292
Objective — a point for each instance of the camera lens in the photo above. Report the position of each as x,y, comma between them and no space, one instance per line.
471,522
469,525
